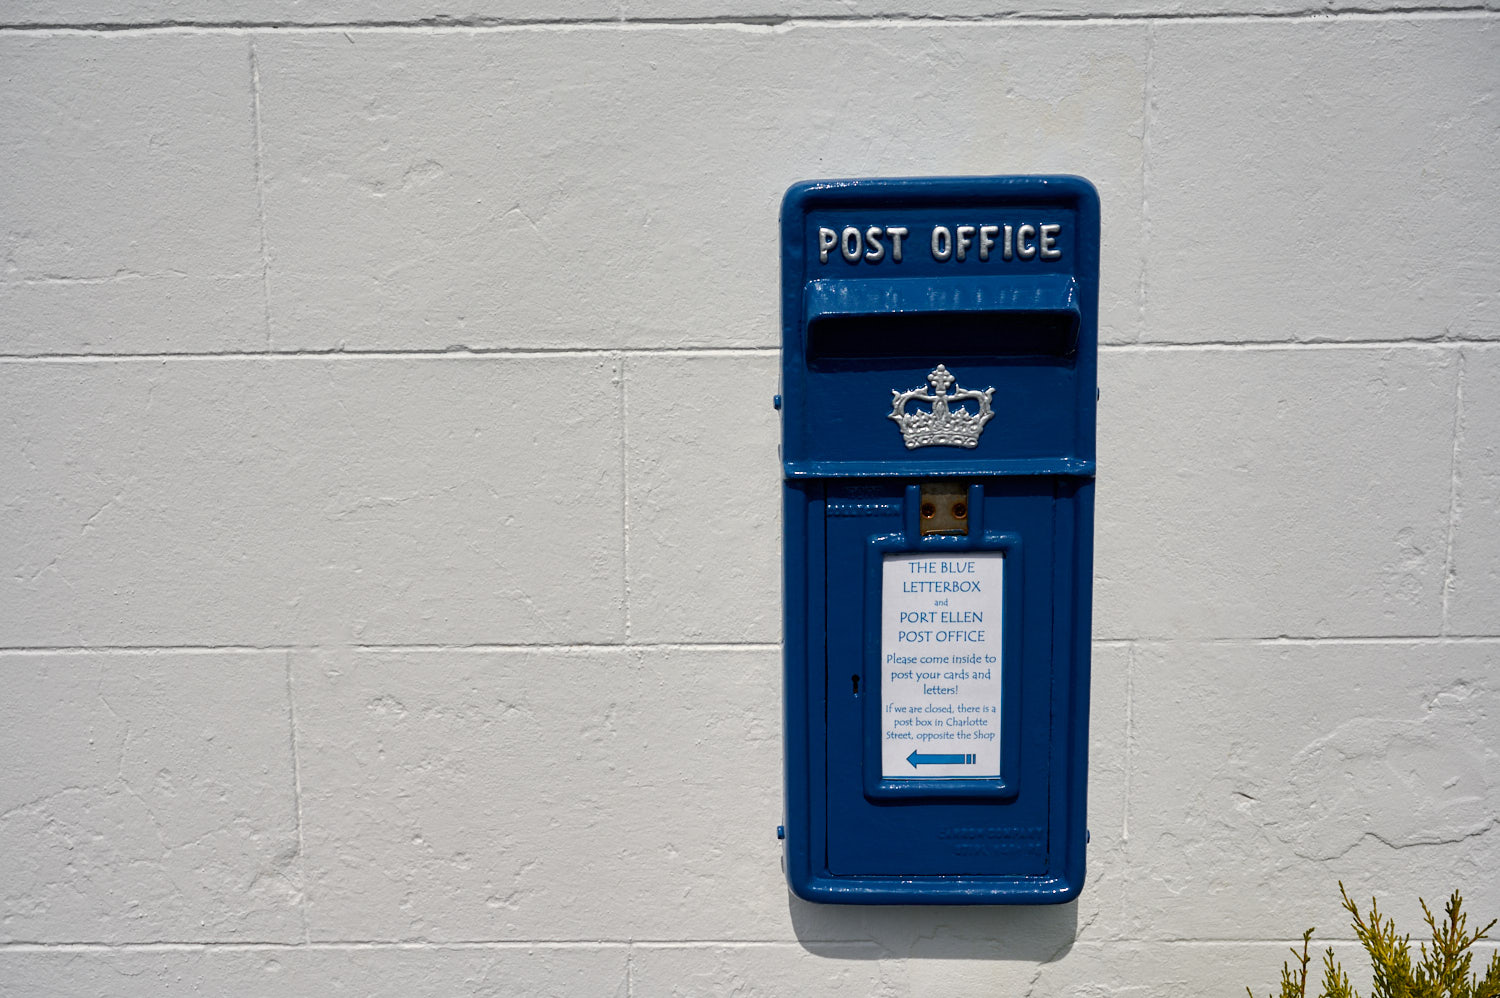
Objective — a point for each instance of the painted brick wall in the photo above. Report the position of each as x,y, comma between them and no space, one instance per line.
388,484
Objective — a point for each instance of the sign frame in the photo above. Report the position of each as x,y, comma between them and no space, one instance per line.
1012,609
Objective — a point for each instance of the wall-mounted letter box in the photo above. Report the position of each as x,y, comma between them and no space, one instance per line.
939,364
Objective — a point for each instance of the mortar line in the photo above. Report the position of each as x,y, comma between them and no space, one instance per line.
538,353
1164,346
624,499
1290,640
291,703
1458,426
325,945
1129,746
413,646
650,646
173,946
1263,941
628,945
443,353
648,944
476,25
260,188
1482,949
85,650
1148,100
714,646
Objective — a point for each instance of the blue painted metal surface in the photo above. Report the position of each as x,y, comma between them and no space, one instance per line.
858,327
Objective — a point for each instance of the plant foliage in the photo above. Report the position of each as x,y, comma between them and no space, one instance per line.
1443,971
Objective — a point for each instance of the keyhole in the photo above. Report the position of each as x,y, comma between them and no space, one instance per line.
855,677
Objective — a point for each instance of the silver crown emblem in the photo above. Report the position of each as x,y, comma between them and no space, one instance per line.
944,425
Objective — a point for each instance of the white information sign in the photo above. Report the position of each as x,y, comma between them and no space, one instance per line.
940,665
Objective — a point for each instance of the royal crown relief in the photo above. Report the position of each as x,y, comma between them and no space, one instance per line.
948,423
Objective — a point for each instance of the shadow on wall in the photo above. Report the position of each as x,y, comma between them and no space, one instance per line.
1034,933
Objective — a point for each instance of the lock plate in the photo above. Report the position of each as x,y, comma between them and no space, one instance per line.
944,509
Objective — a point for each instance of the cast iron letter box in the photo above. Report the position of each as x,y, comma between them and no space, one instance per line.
939,352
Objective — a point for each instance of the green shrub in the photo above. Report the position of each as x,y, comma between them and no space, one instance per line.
1441,972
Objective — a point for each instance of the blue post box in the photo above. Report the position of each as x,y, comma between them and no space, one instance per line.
938,394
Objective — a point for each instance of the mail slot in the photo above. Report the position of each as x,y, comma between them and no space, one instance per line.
938,398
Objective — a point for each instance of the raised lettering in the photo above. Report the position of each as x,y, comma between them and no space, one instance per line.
876,252
1049,242
987,234
851,245
1025,250
964,239
897,233
827,240
941,235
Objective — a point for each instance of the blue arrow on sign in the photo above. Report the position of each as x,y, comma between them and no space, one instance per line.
938,760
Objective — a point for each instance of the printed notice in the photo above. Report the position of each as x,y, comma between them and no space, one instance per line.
940,665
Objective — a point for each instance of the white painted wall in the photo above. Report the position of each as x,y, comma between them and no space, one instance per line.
388,484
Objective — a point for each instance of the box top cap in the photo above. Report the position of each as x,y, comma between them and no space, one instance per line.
984,288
